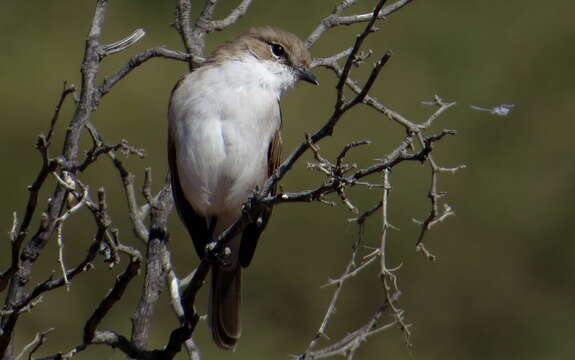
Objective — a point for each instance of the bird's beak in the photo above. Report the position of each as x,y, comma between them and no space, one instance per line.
306,75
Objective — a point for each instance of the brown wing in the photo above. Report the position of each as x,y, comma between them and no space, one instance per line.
253,231
196,224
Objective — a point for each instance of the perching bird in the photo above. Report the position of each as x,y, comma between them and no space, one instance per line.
224,141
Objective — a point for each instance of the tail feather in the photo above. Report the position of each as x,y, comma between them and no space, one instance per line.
224,308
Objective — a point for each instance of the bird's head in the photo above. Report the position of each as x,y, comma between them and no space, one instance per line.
280,52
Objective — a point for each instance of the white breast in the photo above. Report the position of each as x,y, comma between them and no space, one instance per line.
222,120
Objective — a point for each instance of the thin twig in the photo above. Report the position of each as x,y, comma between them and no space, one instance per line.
123,44
113,296
34,345
68,89
205,24
137,60
335,18
233,17
386,274
154,279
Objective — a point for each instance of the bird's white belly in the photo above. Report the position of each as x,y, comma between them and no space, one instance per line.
222,139
221,165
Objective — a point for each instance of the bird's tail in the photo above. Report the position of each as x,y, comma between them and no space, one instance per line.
224,307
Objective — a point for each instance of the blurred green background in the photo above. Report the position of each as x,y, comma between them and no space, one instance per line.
502,286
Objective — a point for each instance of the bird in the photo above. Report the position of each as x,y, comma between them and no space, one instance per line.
224,142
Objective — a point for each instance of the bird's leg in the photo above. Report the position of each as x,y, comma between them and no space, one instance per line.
221,258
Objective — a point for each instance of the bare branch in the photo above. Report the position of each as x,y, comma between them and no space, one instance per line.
176,301
26,308
356,46
12,232
113,296
128,180
234,15
174,285
387,276
370,81
346,149
137,60
68,89
136,216
350,271
442,106
182,24
154,280
71,185
349,343
372,102
51,284
205,24
34,345
353,19
115,340
332,59
48,166
202,28
123,44
335,18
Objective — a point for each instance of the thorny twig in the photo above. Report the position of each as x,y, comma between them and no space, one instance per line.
351,270
386,274
349,344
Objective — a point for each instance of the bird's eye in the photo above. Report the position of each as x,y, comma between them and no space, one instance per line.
278,50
